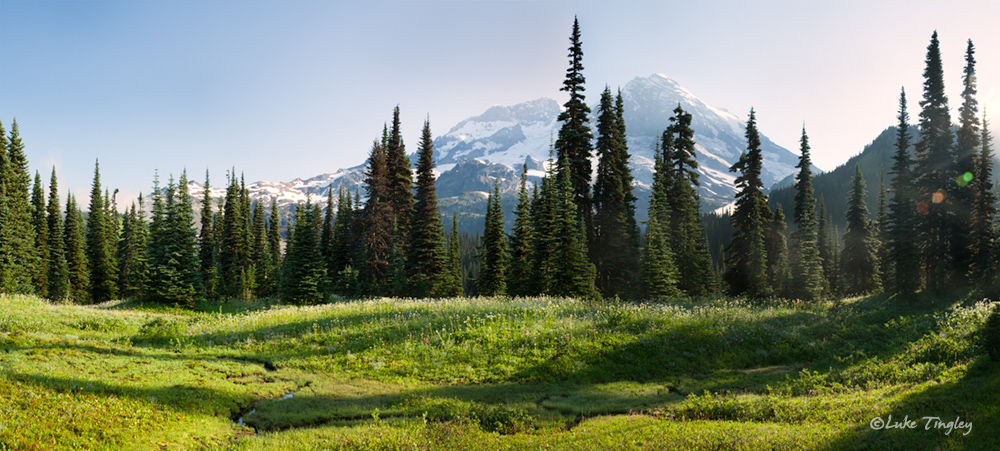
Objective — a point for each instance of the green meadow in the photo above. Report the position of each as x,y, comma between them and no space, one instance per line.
498,373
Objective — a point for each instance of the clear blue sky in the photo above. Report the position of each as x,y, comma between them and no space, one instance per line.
291,89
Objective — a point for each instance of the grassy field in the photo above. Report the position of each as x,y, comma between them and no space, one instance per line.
538,373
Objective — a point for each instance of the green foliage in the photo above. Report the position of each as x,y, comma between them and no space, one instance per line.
492,273
991,335
747,253
18,257
76,257
859,259
101,245
304,272
426,263
58,271
519,269
41,226
808,282
377,219
573,144
174,276
659,275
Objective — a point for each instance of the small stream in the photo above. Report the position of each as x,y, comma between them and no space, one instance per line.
238,418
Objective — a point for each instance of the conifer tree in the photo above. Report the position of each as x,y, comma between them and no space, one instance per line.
58,272
573,274
746,266
808,282
519,270
829,251
327,233
208,252
426,262
543,257
882,230
260,253
133,268
687,240
234,252
175,276
659,275
902,231
777,252
274,247
615,248
303,268
76,253
399,180
456,285
984,212
859,259
492,273
935,172
41,226
100,251
344,272
377,220
573,146
18,256
966,153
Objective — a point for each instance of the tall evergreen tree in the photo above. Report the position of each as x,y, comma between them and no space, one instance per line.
175,276
492,273
234,252
859,259
18,256
519,269
746,266
377,219
133,267
327,233
808,282
399,180
274,247
778,274
904,252
304,270
41,226
343,270
659,275
687,240
208,251
573,146
58,272
984,210
935,172
426,263
615,247
456,284
573,274
260,252
76,253
100,250
966,153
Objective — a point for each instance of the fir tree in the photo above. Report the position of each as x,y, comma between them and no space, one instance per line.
659,275
18,256
208,252
882,230
303,271
455,287
132,262
966,153
902,229
492,273
426,255
58,272
344,267
808,282
746,266
828,246
687,240
777,252
859,258
399,180
100,251
76,253
615,248
543,257
984,213
274,247
377,219
935,176
41,226
260,252
234,252
519,270
327,234
175,276
573,145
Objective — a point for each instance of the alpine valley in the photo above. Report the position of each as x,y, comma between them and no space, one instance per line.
494,145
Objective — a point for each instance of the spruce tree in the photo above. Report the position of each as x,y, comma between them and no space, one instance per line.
260,252
882,230
175,276
573,146
543,243
859,259
829,250
133,267
746,273
615,248
76,253
966,154
935,172
41,226
18,256
344,266
808,282
426,262
659,275
985,267
777,252
58,272
456,282
902,229
573,274
399,180
274,248
303,271
327,234
100,250
492,273
377,220
687,240
519,269
234,252
208,252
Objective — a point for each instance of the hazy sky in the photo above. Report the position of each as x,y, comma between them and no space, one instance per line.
291,89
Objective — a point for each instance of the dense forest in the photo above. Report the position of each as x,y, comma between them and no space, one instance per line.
929,224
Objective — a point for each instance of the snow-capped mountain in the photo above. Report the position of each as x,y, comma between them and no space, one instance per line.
494,146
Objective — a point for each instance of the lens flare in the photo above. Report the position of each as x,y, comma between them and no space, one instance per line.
938,197
964,179
923,207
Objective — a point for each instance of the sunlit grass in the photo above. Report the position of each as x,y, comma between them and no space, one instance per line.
711,373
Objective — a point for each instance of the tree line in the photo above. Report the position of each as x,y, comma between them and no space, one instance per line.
571,236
